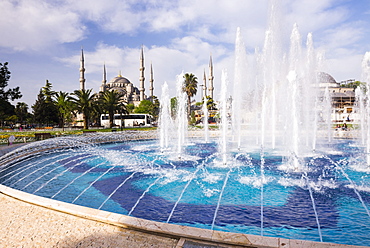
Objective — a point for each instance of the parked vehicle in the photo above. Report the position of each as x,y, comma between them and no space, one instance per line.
132,120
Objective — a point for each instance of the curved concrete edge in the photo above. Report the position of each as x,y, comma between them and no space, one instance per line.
164,229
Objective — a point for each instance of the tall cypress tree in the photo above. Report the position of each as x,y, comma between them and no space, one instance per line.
45,110
38,108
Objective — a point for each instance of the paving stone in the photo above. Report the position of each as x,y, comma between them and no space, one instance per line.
26,225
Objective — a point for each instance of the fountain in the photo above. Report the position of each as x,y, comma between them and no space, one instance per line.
205,121
181,117
366,77
224,189
274,169
165,120
224,118
239,89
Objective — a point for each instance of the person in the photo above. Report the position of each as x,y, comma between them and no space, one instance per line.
11,140
344,127
338,127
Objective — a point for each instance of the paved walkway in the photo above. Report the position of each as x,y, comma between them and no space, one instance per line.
26,225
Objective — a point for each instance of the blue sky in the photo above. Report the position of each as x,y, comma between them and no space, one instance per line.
42,39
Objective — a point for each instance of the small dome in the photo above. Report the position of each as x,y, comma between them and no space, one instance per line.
325,78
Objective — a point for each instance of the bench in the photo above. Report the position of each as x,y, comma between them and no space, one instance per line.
89,131
42,136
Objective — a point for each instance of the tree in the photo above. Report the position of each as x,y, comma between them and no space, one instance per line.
84,103
64,106
148,107
21,110
6,108
354,84
190,88
96,112
173,106
11,94
110,101
44,112
12,119
47,92
130,107
38,108
151,107
156,107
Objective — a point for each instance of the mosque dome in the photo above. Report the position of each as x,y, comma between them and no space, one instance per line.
119,81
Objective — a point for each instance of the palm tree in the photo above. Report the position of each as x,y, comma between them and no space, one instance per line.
111,103
64,105
84,102
190,88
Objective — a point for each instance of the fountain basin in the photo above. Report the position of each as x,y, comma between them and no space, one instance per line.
193,187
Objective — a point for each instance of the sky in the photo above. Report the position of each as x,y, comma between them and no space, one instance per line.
42,40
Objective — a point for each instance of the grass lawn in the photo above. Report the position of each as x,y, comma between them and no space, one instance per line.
4,135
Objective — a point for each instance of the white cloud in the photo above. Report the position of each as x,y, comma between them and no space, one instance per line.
346,67
345,35
191,45
34,24
186,17
211,20
185,33
316,15
126,17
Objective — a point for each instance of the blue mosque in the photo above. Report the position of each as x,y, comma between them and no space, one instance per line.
131,93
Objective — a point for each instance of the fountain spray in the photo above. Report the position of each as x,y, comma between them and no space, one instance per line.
181,117
366,78
239,75
165,118
224,116
205,120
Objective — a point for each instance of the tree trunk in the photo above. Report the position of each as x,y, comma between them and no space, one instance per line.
111,119
85,117
189,108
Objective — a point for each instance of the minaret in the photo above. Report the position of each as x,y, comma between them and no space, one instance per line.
82,71
104,82
204,86
151,88
142,78
211,77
